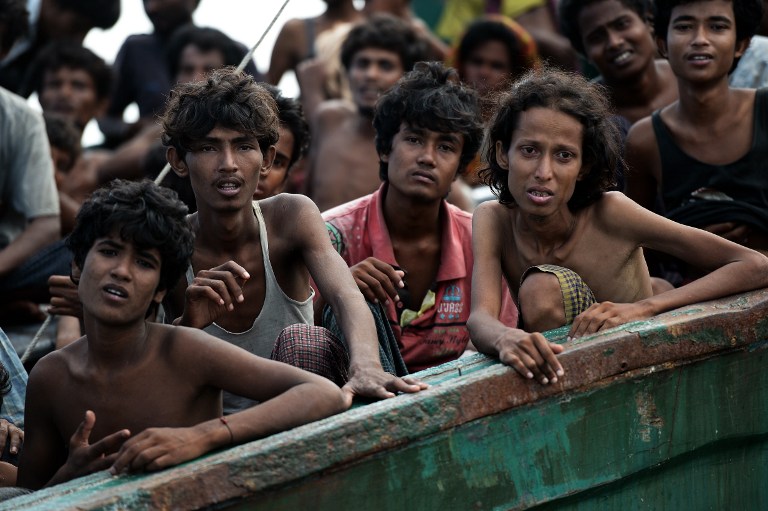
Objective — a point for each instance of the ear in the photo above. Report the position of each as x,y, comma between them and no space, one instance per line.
501,155
266,162
159,296
75,273
178,165
661,45
384,157
741,46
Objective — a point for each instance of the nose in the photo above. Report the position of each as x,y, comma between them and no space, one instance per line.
120,270
700,36
227,160
615,39
427,155
543,170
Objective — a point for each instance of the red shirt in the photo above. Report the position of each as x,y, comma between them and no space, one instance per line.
358,230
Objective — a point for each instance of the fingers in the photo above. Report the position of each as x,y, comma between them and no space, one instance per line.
109,445
83,431
591,320
12,434
219,286
378,384
410,385
533,357
377,280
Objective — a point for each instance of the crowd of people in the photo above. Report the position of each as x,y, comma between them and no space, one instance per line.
305,252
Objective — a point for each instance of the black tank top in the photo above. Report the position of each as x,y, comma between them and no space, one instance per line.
745,180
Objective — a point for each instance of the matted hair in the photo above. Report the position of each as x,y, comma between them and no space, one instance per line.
431,97
226,97
747,15
572,95
143,213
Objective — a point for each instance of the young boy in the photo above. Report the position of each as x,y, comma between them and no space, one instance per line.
572,251
713,142
407,248
291,145
617,38
249,277
132,395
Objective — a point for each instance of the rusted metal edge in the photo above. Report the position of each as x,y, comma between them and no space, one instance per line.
674,338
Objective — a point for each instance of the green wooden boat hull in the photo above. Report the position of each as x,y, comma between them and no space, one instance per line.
670,413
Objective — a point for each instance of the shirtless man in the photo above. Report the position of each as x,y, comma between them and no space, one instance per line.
713,141
617,38
342,163
573,251
250,272
131,244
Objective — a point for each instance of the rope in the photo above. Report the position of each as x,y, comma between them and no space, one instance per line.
36,338
240,67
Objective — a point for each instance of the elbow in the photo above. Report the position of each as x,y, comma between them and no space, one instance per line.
758,270
331,399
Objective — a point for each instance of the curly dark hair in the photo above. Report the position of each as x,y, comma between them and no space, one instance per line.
291,115
484,30
388,33
147,215
59,54
570,94
747,14
569,10
14,23
430,97
227,97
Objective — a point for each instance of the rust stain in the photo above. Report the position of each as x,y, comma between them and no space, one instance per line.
649,417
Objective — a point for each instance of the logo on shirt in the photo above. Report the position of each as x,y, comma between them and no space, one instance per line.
451,305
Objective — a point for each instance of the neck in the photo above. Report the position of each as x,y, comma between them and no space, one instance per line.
704,102
341,11
639,89
410,219
224,232
548,233
112,345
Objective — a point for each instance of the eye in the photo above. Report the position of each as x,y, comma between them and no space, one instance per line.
411,139
109,252
279,163
207,148
246,147
564,155
386,65
528,150
682,27
719,27
448,148
145,263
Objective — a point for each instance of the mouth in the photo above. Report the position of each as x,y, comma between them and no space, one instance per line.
539,196
622,58
699,58
229,187
423,176
116,291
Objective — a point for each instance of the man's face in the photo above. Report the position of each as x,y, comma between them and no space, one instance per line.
616,40
119,281
488,67
224,169
195,63
372,72
167,15
423,163
544,160
72,93
701,40
273,183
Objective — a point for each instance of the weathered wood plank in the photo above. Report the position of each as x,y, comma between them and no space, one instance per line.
647,402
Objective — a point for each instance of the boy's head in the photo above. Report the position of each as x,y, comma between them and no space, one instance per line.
14,23
574,96
64,138
168,15
143,214
290,147
71,80
227,98
376,53
493,51
429,97
570,13
747,15
66,17
193,52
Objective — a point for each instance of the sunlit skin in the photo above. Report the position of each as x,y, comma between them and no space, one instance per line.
616,40
194,63
545,162
225,168
371,72
422,163
602,242
72,93
488,67
274,182
701,41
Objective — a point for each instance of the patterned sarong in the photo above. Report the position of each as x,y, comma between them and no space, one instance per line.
577,297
